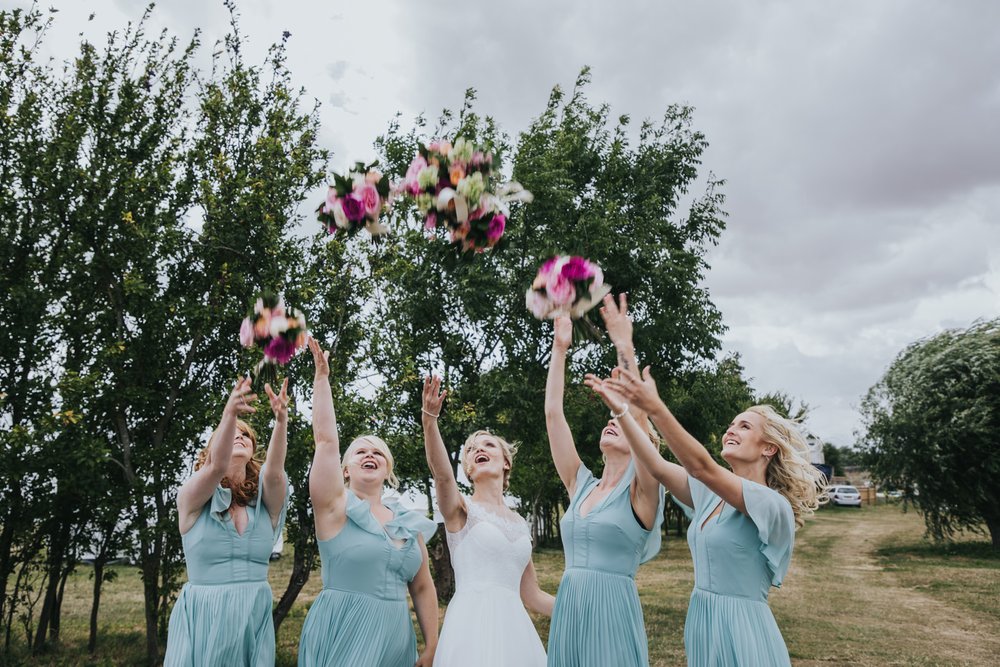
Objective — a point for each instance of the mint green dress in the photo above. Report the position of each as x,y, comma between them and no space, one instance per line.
223,614
737,558
597,620
361,617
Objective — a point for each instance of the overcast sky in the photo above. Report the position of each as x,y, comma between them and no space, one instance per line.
860,141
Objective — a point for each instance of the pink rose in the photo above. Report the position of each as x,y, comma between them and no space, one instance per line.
497,225
354,208
561,291
369,197
331,199
410,183
431,221
577,269
373,177
246,332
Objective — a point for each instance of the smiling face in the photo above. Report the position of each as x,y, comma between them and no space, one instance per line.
369,461
744,440
485,455
613,439
244,443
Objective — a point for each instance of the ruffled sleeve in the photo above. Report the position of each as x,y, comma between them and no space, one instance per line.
404,525
775,522
698,493
280,525
408,524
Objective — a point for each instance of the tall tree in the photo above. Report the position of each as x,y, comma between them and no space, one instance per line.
930,429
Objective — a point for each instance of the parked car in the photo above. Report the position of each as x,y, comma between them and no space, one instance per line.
845,495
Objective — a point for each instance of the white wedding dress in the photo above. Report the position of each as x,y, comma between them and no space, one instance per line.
486,624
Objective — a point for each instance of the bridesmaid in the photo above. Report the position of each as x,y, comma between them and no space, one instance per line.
611,526
372,550
743,521
230,512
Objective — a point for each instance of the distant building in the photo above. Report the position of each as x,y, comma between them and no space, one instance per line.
815,446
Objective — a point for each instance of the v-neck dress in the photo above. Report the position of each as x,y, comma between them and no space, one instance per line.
737,558
223,614
597,620
361,617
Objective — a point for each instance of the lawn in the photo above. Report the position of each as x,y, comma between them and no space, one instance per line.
864,589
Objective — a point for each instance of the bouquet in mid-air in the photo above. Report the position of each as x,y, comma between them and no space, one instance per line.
278,331
356,201
453,187
567,286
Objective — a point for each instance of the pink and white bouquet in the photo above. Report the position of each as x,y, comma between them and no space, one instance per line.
278,331
566,286
452,185
356,201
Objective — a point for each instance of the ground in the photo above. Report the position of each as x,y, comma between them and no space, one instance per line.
864,589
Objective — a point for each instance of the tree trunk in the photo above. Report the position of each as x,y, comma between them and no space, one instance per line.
444,575
150,591
302,565
993,525
96,604
57,615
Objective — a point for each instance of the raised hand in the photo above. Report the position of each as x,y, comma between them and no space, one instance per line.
616,319
640,392
279,401
433,399
321,359
562,333
240,399
615,402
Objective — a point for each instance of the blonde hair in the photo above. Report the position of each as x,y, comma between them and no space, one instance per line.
246,490
508,449
378,444
789,472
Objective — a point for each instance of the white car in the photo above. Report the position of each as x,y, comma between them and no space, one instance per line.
845,495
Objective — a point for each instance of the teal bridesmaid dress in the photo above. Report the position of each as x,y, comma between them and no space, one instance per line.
597,619
361,617
223,614
737,558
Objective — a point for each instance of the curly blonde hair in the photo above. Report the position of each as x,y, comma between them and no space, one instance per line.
509,449
246,490
789,472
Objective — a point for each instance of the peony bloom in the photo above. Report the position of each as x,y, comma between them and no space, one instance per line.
280,350
497,225
354,208
279,325
561,291
537,303
246,333
577,269
372,202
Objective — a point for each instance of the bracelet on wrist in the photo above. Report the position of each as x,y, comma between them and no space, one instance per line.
620,414
430,413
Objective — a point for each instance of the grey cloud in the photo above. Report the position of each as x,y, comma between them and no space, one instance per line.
337,70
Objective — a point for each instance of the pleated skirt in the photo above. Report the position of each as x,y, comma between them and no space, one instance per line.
356,629
728,631
597,621
223,624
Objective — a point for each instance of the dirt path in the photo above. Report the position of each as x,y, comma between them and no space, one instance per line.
868,614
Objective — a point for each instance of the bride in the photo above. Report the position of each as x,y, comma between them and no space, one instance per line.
486,624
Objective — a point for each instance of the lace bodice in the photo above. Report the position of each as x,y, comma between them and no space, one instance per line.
490,549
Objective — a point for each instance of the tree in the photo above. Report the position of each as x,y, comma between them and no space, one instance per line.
597,195
930,428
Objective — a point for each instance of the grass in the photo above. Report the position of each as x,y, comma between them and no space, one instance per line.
865,588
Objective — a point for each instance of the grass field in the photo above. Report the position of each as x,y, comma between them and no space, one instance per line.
864,589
